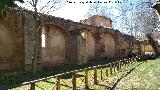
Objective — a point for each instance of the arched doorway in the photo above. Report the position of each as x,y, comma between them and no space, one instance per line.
53,51
89,46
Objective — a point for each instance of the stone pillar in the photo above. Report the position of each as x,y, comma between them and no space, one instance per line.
73,46
82,56
29,38
117,45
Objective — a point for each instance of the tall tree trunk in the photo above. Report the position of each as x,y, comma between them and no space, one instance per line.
34,57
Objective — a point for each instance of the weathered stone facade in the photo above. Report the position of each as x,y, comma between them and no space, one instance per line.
66,42
12,42
97,20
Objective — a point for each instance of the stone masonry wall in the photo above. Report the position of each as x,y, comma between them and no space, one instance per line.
77,49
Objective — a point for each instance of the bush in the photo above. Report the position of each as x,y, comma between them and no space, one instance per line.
133,53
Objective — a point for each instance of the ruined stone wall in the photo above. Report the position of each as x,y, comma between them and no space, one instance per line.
82,57
98,21
11,42
21,31
66,42
6,41
29,36
102,22
86,46
6,46
90,45
109,43
54,51
146,48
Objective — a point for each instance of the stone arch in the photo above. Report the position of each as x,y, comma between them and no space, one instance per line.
55,51
110,45
8,47
90,45
87,46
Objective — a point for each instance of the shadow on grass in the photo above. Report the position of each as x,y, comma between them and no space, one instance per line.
18,78
65,84
114,85
69,76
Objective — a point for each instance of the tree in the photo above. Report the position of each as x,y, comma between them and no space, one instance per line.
147,21
133,17
128,16
116,10
7,3
42,7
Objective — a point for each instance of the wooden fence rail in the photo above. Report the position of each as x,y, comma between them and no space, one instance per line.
109,69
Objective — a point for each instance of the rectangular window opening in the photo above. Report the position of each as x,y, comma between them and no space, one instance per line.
43,38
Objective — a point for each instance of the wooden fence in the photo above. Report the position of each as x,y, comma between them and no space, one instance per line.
98,75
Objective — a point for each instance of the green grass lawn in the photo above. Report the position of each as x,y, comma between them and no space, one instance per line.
138,76
66,82
7,79
145,77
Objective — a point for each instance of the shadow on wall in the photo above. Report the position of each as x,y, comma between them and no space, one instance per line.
54,50
9,53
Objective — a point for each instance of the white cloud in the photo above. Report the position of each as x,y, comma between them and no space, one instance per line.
74,11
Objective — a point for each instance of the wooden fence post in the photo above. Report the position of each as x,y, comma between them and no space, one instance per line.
117,66
32,86
111,68
114,67
101,74
120,65
74,80
95,75
106,72
58,83
137,57
86,80
132,60
125,62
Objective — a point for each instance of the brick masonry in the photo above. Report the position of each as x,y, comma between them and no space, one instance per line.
76,49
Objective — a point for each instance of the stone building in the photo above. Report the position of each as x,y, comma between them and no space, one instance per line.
60,41
97,20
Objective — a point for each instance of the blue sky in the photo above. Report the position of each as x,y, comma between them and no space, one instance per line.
78,11
74,11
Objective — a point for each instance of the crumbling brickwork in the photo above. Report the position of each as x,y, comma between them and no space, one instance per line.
66,42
